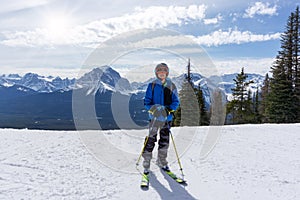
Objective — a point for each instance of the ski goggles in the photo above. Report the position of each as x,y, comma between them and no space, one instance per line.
162,69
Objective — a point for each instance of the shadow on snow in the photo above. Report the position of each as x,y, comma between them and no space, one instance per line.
177,190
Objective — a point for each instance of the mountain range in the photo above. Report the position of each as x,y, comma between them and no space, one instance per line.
39,102
36,82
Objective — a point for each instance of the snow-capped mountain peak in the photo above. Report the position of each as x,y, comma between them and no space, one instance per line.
36,82
101,79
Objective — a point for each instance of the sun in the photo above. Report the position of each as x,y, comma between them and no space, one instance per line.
57,26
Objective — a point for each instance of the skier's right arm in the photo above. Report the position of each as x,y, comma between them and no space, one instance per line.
148,103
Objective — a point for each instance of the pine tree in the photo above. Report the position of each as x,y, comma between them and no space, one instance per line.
204,119
279,106
265,90
283,100
296,60
218,109
256,105
177,117
188,114
240,107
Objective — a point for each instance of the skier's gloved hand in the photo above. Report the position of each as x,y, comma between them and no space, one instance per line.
158,111
168,110
153,109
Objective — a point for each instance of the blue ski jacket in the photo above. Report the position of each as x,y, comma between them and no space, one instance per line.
163,94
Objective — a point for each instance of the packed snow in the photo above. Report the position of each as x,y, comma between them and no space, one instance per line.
242,162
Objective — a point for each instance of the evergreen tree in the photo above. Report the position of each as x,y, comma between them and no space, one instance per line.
177,117
240,107
257,118
188,114
296,60
280,99
204,119
282,104
265,90
218,109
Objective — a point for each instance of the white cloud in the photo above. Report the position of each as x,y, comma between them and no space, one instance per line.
163,41
15,5
259,8
101,30
214,20
92,34
251,65
233,37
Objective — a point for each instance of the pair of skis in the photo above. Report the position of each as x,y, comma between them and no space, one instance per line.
145,176
145,179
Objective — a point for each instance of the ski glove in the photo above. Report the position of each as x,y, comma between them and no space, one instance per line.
169,111
158,111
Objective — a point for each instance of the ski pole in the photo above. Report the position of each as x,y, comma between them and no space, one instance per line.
137,163
178,160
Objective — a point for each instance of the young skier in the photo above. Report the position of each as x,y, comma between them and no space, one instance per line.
161,100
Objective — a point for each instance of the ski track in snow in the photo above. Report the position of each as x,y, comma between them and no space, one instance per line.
248,162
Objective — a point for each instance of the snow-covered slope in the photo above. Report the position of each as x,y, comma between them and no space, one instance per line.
247,162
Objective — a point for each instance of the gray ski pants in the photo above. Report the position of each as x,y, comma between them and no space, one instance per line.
163,143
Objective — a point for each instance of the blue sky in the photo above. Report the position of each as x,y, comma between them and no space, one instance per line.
56,37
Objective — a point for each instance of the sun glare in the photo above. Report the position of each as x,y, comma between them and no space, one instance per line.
57,26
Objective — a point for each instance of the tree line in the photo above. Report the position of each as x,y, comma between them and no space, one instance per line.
278,100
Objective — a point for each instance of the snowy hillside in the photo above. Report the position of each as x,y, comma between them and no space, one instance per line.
247,162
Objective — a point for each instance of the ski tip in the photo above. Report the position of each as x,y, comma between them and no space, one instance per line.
145,187
182,182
